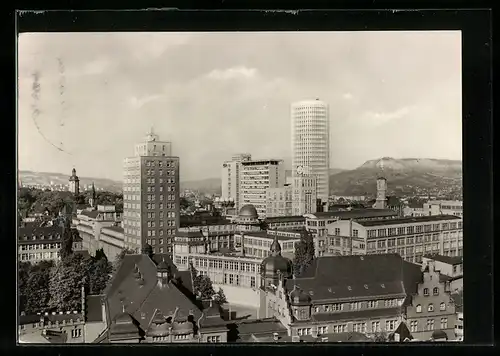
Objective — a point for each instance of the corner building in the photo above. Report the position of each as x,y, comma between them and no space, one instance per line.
151,196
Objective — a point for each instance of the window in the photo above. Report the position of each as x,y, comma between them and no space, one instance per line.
444,323
213,339
322,330
430,308
430,324
426,292
442,306
375,326
342,328
359,327
435,291
337,231
75,333
372,304
390,325
419,308
414,326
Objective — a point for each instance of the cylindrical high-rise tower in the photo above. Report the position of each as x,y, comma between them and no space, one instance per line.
311,143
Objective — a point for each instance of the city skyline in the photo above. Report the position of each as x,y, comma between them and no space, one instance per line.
218,94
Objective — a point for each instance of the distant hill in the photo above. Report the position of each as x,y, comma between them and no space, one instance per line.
209,185
45,179
407,175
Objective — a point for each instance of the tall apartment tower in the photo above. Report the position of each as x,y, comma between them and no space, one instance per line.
311,142
151,195
256,177
231,171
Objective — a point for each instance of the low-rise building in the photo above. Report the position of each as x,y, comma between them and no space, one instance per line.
452,267
435,207
317,223
37,244
150,301
410,237
285,222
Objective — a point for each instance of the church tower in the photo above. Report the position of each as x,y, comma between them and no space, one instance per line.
74,183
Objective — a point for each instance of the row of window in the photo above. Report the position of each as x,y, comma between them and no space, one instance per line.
413,229
39,247
387,303
38,256
429,325
430,307
226,265
152,233
168,164
152,206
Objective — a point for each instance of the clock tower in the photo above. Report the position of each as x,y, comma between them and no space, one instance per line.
381,201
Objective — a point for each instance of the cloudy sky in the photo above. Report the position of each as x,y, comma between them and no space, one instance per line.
395,94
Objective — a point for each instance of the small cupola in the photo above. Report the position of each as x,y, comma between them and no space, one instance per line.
163,273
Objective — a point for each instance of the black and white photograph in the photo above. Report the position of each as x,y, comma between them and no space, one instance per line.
239,187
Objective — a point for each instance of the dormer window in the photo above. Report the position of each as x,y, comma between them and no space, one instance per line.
435,291
426,292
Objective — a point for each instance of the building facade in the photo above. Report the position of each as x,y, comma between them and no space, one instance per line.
279,201
317,224
304,196
231,177
436,207
36,244
411,238
151,195
311,142
256,177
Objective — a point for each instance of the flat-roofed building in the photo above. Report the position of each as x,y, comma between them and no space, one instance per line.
317,223
435,207
410,237
279,201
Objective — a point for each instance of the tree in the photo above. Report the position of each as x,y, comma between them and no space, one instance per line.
220,297
66,281
304,252
202,285
37,293
22,281
67,239
99,271
184,203
381,336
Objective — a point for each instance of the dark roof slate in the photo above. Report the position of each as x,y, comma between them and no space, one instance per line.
94,308
362,277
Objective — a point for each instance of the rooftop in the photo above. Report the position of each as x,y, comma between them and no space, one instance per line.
356,213
451,260
118,229
279,219
266,235
94,308
409,220
362,277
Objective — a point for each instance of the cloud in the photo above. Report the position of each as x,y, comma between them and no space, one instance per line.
232,73
138,103
347,96
381,118
94,67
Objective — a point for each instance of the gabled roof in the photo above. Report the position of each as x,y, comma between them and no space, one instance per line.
141,301
361,277
259,327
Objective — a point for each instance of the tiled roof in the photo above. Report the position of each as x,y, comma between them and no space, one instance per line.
358,277
409,220
34,318
332,337
142,301
451,260
94,308
357,213
278,219
36,230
